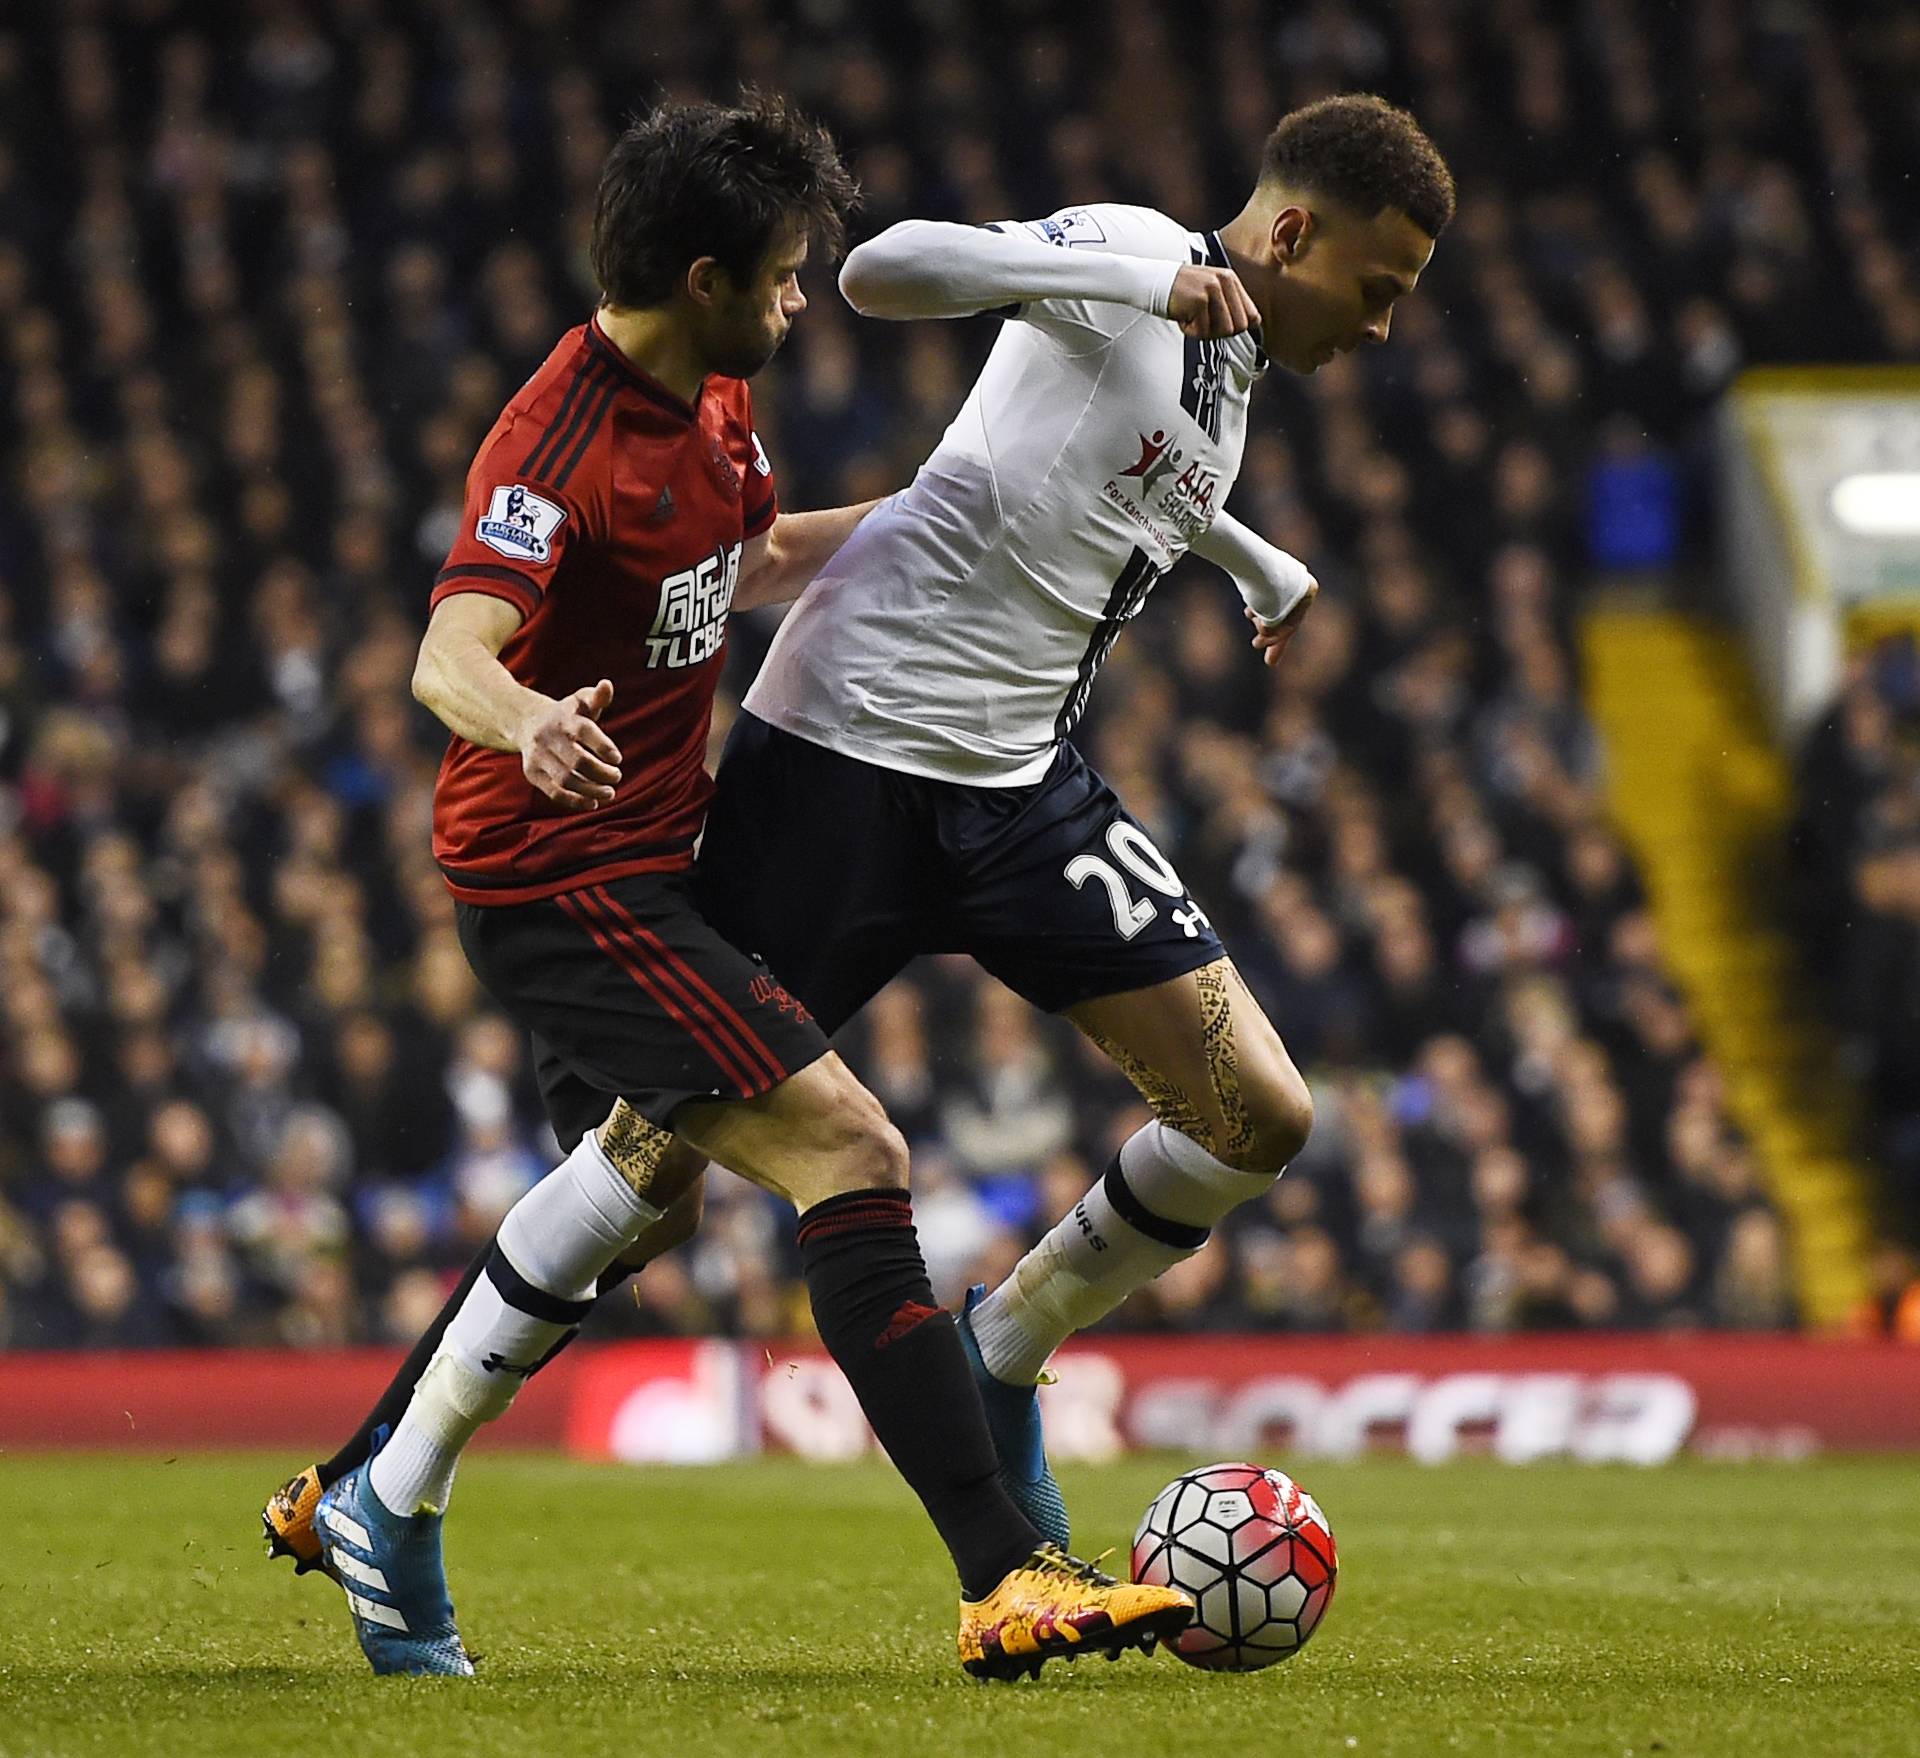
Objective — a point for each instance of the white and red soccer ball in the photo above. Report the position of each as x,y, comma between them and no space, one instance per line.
1256,1555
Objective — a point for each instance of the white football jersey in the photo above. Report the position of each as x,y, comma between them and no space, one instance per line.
958,631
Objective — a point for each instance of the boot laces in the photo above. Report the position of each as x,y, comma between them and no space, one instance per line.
1052,1560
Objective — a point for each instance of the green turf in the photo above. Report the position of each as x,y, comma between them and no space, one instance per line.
779,1608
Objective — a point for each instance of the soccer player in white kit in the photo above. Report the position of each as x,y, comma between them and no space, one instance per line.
900,783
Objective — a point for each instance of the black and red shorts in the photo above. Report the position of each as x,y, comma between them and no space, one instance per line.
630,993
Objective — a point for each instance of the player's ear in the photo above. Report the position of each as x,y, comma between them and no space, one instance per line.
705,278
1292,226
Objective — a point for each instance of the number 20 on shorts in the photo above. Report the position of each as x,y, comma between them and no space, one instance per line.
1134,850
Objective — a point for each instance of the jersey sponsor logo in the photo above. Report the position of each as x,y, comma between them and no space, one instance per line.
1069,226
520,524
1157,456
760,456
663,508
690,626
1167,491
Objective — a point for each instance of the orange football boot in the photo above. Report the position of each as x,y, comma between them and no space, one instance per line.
288,1520
1054,1604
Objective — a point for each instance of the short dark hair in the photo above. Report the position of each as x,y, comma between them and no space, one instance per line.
693,180
1367,155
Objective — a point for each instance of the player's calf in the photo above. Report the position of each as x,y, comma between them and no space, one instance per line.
287,1518
822,1140
1231,1111
539,1283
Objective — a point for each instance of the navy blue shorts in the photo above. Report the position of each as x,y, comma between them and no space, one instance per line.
838,873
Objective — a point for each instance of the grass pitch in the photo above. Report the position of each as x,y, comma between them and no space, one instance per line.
782,1609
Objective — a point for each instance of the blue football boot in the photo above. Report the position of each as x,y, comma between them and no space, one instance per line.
395,1582
1013,1419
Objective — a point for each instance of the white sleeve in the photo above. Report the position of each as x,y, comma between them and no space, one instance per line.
932,268
1271,582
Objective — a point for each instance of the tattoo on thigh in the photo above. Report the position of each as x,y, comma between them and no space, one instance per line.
1166,1101
1223,1060
635,1146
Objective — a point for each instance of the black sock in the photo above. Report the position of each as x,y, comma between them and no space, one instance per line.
392,1403
902,1356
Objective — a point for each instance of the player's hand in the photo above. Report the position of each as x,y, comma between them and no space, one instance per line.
1208,303
566,755
1270,639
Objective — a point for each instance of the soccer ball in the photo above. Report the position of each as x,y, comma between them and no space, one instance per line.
1253,1550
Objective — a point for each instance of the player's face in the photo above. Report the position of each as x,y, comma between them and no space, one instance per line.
1338,285
746,325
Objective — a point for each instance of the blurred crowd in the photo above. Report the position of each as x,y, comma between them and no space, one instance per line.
1857,849
268,272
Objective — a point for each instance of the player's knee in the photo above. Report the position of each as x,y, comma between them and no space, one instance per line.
881,1157
1280,1118
867,1152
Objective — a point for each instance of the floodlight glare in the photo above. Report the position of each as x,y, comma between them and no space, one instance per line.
1881,503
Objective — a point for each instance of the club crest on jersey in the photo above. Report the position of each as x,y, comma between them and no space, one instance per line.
690,626
520,524
724,473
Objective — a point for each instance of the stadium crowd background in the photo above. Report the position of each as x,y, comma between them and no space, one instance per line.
265,281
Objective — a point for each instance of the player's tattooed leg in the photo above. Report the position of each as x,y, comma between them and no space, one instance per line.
1209,1065
1164,1099
1223,1062
639,1151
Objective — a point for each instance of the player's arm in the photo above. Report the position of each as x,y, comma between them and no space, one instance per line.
1275,586
933,268
458,675
779,564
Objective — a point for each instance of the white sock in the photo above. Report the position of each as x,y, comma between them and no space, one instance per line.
539,1284
413,1472
1174,1176
1153,1208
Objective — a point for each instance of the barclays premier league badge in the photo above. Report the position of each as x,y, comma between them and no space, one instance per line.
520,524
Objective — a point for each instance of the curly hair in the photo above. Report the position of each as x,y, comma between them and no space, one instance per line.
1364,153
693,180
